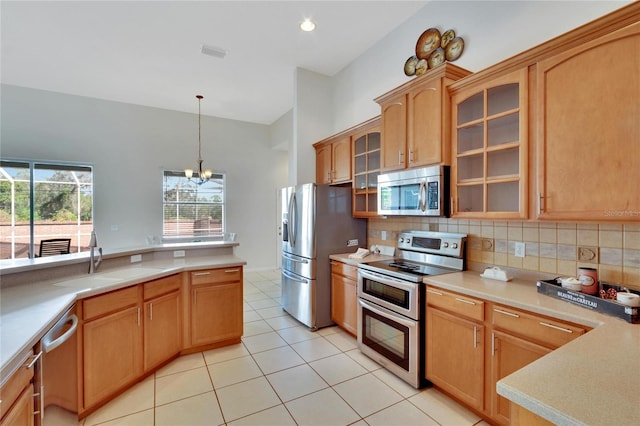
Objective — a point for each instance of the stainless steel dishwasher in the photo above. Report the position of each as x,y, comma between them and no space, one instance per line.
58,372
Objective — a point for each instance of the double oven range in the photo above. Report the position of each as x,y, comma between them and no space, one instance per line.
392,303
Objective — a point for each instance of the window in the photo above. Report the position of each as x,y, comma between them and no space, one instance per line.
42,201
193,211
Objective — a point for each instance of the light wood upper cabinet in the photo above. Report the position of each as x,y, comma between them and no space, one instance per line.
415,120
366,168
588,130
333,160
489,170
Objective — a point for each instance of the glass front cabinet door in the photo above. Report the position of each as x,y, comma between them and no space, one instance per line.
489,143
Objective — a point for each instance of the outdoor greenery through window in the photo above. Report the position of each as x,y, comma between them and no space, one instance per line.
192,211
44,201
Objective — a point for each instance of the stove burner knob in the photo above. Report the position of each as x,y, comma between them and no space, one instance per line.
445,244
454,245
401,240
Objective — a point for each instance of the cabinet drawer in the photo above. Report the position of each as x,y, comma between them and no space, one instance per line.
208,276
161,286
110,302
344,269
14,385
549,332
456,303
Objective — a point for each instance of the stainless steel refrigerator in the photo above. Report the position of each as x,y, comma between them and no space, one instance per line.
316,222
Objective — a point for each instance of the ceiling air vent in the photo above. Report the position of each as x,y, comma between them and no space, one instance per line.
214,51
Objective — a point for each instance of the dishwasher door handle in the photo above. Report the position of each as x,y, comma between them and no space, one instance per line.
49,343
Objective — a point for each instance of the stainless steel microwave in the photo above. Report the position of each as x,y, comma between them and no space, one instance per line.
414,192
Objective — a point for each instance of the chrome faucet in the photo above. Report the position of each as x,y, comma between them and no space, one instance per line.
93,243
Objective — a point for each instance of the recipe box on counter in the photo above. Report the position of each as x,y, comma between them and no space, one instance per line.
594,302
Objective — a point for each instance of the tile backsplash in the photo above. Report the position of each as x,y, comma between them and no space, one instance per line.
553,248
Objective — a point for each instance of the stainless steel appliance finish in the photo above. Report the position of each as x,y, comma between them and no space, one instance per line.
392,304
316,222
414,192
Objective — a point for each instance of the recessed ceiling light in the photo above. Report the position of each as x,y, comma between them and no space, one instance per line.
307,25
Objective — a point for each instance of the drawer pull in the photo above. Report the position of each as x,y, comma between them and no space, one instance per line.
198,274
510,314
230,271
555,327
468,302
434,292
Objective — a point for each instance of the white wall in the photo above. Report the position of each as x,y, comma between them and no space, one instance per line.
130,145
312,115
492,30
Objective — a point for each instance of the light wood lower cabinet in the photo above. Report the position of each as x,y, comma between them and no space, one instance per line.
216,306
509,353
17,405
162,329
112,345
344,297
471,344
455,356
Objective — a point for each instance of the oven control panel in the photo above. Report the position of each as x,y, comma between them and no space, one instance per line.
444,243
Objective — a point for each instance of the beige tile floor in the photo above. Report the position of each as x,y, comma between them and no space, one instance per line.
281,374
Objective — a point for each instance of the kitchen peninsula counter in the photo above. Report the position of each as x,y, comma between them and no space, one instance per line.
592,380
28,310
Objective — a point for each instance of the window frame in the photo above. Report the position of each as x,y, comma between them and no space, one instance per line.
165,238
32,166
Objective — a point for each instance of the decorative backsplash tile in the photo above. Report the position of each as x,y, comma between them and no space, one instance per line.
549,247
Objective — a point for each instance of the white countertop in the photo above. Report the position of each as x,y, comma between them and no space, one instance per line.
592,380
27,311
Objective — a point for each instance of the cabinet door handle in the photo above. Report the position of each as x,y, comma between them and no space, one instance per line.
329,176
451,209
138,316
468,302
475,336
555,327
434,292
230,271
33,361
510,314
540,207
194,297
493,344
400,157
410,156
151,311
198,274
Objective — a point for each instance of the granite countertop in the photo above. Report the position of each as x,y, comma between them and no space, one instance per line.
592,380
27,311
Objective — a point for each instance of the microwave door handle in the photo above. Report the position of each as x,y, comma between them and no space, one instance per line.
422,196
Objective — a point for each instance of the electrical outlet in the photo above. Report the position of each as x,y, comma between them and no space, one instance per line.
587,254
519,249
136,258
487,244
352,243
178,253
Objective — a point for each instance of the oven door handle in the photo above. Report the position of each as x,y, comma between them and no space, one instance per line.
383,279
387,314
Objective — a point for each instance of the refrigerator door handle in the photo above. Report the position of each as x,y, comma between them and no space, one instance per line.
296,279
292,219
294,258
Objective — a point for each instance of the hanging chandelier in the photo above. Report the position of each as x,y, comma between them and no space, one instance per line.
203,175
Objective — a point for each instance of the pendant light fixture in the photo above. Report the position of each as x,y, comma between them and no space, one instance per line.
203,175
